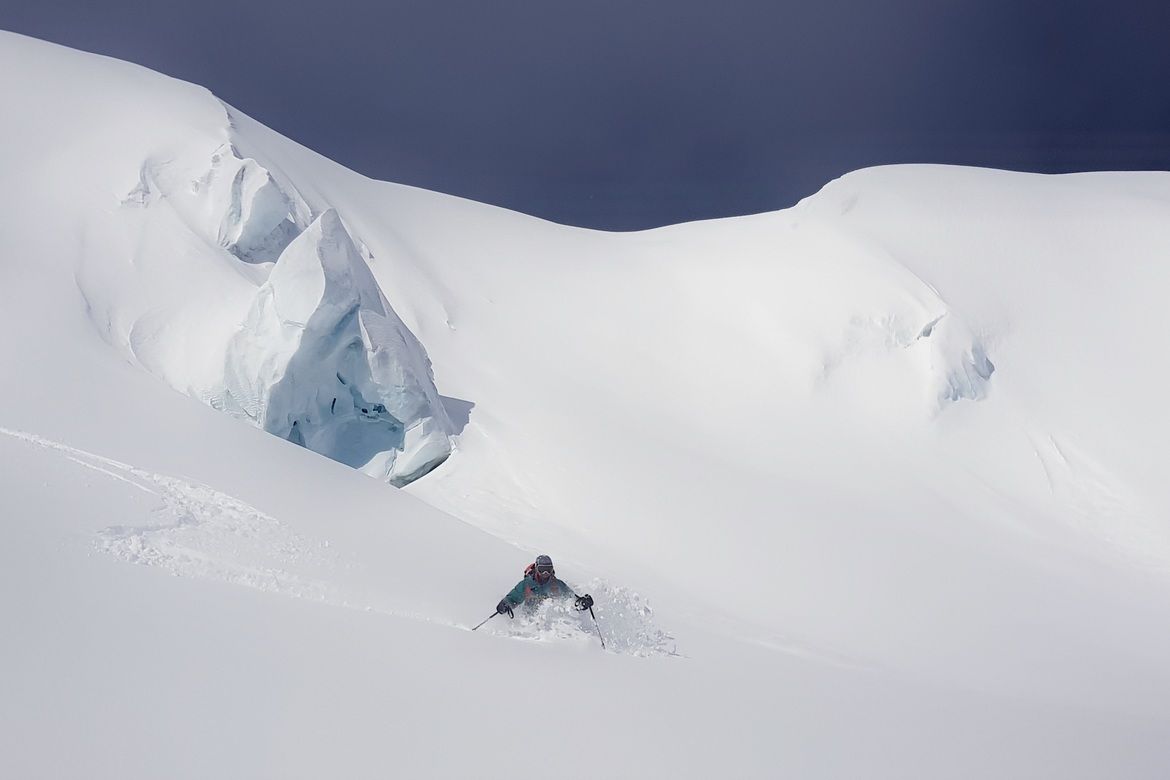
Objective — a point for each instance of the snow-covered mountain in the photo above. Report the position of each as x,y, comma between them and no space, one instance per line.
887,466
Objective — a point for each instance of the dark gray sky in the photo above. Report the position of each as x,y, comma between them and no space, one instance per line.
625,114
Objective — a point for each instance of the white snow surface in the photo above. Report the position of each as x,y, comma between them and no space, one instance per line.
874,486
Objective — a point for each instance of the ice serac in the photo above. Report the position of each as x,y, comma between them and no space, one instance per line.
258,220
323,361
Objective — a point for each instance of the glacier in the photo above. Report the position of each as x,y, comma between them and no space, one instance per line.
887,465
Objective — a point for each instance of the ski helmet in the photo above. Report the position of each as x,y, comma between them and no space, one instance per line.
543,568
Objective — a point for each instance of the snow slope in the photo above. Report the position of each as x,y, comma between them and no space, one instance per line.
886,465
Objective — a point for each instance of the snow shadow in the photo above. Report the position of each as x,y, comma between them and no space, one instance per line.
458,411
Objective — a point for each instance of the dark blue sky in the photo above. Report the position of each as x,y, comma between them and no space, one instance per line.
625,114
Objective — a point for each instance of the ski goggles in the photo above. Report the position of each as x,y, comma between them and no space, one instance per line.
544,572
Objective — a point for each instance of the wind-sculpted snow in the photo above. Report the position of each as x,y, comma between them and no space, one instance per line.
624,619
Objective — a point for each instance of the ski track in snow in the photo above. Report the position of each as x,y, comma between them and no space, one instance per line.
206,534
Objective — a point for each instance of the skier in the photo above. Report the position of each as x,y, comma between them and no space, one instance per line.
540,582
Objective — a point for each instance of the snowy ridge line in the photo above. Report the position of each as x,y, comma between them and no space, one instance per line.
207,534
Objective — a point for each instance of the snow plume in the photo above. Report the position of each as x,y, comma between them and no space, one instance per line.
269,314
623,617
323,361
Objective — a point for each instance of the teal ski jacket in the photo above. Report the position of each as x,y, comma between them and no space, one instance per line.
531,591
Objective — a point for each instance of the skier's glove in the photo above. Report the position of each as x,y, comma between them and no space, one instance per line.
504,608
584,602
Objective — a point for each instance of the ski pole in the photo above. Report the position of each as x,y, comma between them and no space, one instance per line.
599,636
489,617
